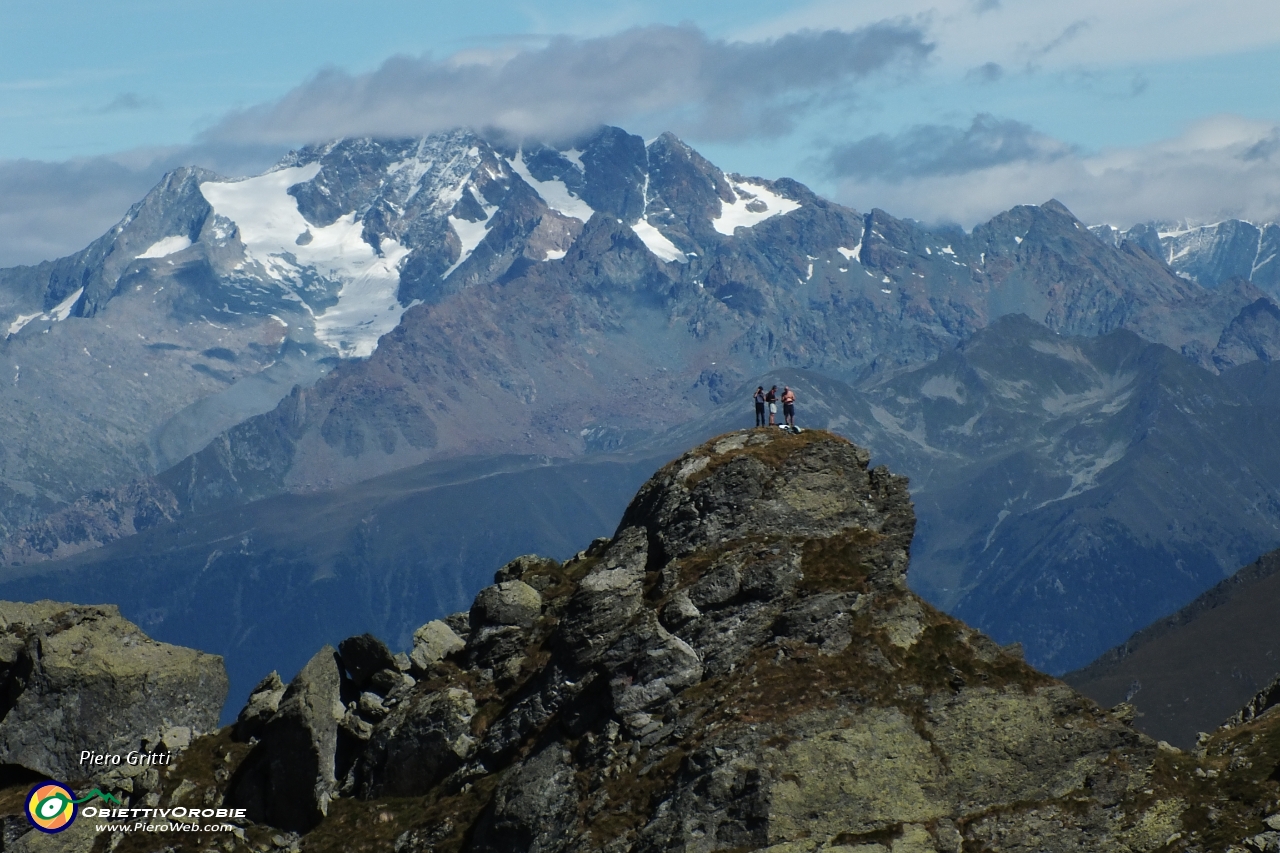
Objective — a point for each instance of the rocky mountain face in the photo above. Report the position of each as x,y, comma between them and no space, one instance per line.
1190,671
138,317
1210,255
1052,479
1104,533
563,290
740,667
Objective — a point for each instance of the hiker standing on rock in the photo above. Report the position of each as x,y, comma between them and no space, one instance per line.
772,399
789,406
759,398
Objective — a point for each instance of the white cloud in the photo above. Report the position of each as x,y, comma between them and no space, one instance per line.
1224,166
1047,33
645,78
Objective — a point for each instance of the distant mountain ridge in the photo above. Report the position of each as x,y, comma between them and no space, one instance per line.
1072,490
368,306
227,293
1210,254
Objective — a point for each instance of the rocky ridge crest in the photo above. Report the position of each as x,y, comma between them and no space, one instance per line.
740,667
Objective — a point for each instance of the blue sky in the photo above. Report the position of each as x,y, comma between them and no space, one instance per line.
943,110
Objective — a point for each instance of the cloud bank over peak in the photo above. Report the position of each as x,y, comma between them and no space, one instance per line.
1223,166
647,78
1036,34
51,209
934,150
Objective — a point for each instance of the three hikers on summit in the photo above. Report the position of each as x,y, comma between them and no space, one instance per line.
770,399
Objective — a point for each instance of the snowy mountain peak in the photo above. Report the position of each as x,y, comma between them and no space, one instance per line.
1209,254
338,239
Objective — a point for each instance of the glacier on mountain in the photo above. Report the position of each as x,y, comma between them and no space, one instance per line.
279,239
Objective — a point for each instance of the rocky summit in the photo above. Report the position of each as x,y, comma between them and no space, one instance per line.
740,667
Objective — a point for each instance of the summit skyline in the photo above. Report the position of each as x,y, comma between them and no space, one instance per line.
940,110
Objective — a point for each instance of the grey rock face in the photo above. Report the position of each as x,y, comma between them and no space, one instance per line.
291,776
418,745
80,677
263,703
432,643
534,808
1254,335
519,567
1214,254
815,499
511,602
607,598
1265,699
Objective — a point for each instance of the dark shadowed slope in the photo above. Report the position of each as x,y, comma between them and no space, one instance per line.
1189,672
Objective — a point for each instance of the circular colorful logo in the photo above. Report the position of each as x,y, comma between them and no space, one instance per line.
51,807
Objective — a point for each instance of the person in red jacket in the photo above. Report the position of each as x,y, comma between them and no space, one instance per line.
772,400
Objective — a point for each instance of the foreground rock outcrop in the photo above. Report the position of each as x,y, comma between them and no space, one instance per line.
82,677
741,667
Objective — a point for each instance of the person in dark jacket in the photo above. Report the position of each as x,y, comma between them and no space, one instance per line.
759,398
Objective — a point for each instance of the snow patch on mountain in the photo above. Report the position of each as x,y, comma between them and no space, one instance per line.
270,227
63,309
943,387
1084,470
754,204
367,306
657,242
167,246
60,312
470,233
556,195
1183,229
21,321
